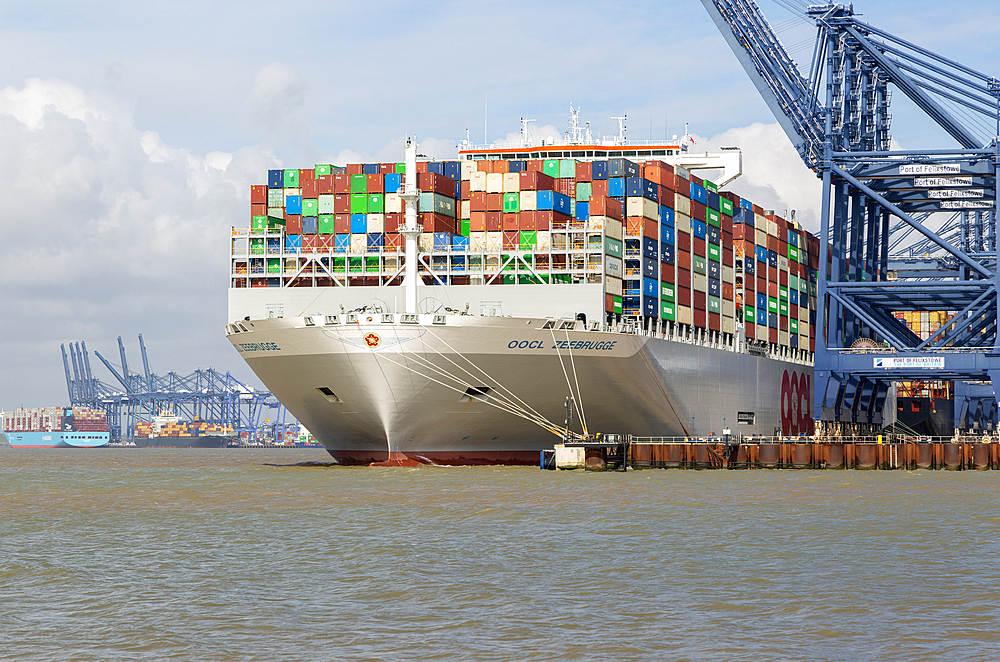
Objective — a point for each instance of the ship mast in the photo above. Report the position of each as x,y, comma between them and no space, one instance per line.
410,231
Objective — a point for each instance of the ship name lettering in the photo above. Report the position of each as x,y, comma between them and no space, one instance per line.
584,344
258,346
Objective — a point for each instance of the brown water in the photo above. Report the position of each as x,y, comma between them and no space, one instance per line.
158,554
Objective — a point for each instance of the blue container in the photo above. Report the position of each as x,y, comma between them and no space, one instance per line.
649,306
543,200
744,217
650,248
376,240
453,169
393,181
714,288
650,190
562,203
341,243
359,223
761,316
746,204
633,301
793,297
760,253
714,270
698,228
436,167
582,211
460,243
650,268
633,187
276,179
517,166
621,168
650,287
295,241
616,187
748,265
713,200
772,259
762,304
667,235
458,190
370,169
310,225
713,234
772,320
666,254
442,241
699,194
293,204
598,170
666,216
793,238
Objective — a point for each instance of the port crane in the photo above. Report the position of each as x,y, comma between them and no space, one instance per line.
884,247
204,395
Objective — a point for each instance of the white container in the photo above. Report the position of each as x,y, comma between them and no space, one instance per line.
613,266
292,191
512,182
376,223
276,212
728,274
772,228
728,325
326,203
544,240
682,172
682,222
494,242
762,333
612,228
477,241
613,285
682,205
528,201
783,338
468,167
477,181
426,242
359,243
494,182
641,207
699,282
728,308
466,210
570,458
761,238
684,315
393,203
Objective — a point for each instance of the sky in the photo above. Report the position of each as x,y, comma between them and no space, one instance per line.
131,132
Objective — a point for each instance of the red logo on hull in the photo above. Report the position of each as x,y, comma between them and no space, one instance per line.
372,340
796,403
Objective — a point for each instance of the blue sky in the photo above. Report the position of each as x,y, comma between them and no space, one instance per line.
131,131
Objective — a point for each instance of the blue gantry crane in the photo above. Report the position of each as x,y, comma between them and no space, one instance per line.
204,395
900,230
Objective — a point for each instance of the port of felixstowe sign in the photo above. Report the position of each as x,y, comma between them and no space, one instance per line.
896,363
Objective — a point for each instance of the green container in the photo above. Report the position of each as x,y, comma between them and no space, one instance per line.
464,229
551,168
376,203
325,223
273,223
339,265
793,282
617,306
310,207
750,314
583,191
726,206
783,308
275,197
667,292
291,178
323,169
567,169
326,204
511,203
714,253
359,203
356,265
510,279
698,264
772,305
668,311
401,168
274,265
359,184
712,218
371,264
710,186
257,246
714,304
613,247
783,293
258,223
793,325
529,238
793,253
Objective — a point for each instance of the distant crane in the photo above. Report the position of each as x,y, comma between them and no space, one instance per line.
882,250
204,395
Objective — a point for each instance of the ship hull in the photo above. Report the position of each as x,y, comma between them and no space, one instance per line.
41,439
371,392
207,441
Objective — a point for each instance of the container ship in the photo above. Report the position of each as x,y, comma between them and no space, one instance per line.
56,427
477,310
167,431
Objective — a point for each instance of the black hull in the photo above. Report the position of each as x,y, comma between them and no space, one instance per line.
934,421
209,441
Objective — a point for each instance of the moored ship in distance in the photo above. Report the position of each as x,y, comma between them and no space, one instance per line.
166,430
476,312
56,427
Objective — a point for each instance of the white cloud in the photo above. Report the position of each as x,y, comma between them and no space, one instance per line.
107,230
276,106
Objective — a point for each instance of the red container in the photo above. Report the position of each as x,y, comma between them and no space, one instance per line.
714,322
666,197
742,232
342,184
698,246
258,195
421,167
535,165
431,181
307,175
310,188
598,189
494,202
696,180
667,274
511,241
510,222
567,187
356,169
699,299
772,277
609,301
466,190
683,295
757,209
682,186
293,225
527,222
376,183
478,201
772,290
324,184
727,223
650,229
436,222
258,210
477,221
727,291
783,278
342,204
698,211
605,206
727,257
501,167
733,198
394,240
494,221
683,278
584,171
386,168
683,241
793,311
761,283
683,261
393,222
772,244
751,330
699,317
537,181
342,223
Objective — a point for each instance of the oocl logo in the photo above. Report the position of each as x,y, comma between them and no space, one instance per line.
796,403
372,340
